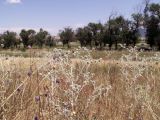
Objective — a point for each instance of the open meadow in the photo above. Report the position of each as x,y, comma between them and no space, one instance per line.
80,60
80,84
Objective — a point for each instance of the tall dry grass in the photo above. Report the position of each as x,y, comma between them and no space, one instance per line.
71,85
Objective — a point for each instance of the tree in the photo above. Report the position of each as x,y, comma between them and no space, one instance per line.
17,42
146,9
25,36
108,36
32,38
96,30
118,29
157,40
152,30
41,37
137,19
81,36
49,41
155,9
66,36
84,36
9,39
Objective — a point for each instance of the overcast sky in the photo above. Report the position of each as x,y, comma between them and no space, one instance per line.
54,15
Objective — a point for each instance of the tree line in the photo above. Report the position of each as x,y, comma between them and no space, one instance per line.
27,38
117,30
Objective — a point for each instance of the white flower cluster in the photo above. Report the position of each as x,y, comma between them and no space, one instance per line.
70,79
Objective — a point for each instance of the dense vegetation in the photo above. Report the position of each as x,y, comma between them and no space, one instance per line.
117,30
73,85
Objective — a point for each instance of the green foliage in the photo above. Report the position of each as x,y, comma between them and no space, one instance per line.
25,36
137,18
155,9
153,25
9,39
41,37
66,36
152,30
50,41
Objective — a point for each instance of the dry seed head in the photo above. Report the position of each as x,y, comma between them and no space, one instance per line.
36,118
37,98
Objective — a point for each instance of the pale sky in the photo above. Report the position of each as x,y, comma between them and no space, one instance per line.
54,15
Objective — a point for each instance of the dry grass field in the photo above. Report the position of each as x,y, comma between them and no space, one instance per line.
80,85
